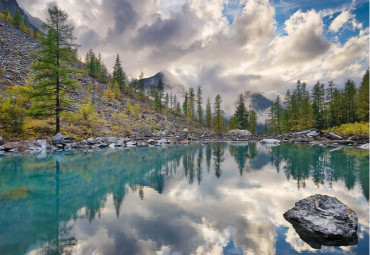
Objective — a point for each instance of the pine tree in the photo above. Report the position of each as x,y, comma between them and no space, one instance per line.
52,75
17,19
241,115
208,113
160,92
118,74
174,101
191,104
363,99
252,121
141,87
349,95
185,105
166,100
199,105
178,108
318,105
218,115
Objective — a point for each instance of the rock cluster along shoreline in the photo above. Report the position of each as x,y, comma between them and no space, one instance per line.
67,143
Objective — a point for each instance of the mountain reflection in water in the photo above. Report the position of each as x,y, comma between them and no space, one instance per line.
192,199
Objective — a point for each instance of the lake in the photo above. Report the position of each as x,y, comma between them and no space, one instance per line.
220,198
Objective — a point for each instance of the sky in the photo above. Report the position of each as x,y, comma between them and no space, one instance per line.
227,47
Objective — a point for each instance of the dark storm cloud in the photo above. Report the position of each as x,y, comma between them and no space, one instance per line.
124,16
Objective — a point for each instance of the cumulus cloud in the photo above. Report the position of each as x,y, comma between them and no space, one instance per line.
340,20
196,42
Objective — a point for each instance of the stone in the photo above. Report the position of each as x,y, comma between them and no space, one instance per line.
58,139
42,144
163,141
69,139
112,139
312,133
322,220
112,145
270,141
151,142
239,132
91,141
365,146
185,130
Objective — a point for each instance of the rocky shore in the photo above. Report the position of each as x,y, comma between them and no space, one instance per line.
67,143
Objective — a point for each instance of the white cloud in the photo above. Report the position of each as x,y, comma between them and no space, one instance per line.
193,40
340,20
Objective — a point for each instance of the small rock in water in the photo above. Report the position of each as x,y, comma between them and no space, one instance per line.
323,220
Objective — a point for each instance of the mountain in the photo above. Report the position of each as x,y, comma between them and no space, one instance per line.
260,104
12,6
171,84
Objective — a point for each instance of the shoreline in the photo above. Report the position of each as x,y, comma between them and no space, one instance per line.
67,143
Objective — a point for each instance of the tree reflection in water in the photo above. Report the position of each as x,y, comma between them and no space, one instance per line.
59,190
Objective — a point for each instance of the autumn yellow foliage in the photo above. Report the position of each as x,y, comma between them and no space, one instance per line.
352,129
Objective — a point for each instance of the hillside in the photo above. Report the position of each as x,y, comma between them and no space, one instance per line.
12,6
112,116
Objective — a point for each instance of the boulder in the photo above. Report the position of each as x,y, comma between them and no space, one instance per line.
69,139
91,141
58,139
270,141
323,220
239,132
42,144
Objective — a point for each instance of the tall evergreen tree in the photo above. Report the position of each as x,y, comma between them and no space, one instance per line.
252,120
199,105
141,87
191,104
52,74
349,97
363,99
185,105
160,89
241,115
118,74
208,113
318,105
17,19
218,115
7,16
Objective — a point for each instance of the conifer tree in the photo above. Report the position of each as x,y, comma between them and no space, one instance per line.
232,124
318,105
241,115
185,105
52,74
218,115
17,19
118,74
199,105
174,101
141,87
363,99
166,100
178,108
191,104
349,97
208,113
252,121
160,92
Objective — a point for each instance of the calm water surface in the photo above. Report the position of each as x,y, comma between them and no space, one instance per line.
186,199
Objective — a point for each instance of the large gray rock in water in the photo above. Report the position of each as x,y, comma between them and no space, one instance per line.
323,220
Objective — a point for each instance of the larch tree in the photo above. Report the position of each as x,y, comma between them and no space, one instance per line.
52,73
141,87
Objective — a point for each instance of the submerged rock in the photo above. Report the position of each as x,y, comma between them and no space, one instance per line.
323,220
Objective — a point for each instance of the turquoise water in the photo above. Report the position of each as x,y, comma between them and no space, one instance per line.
183,199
